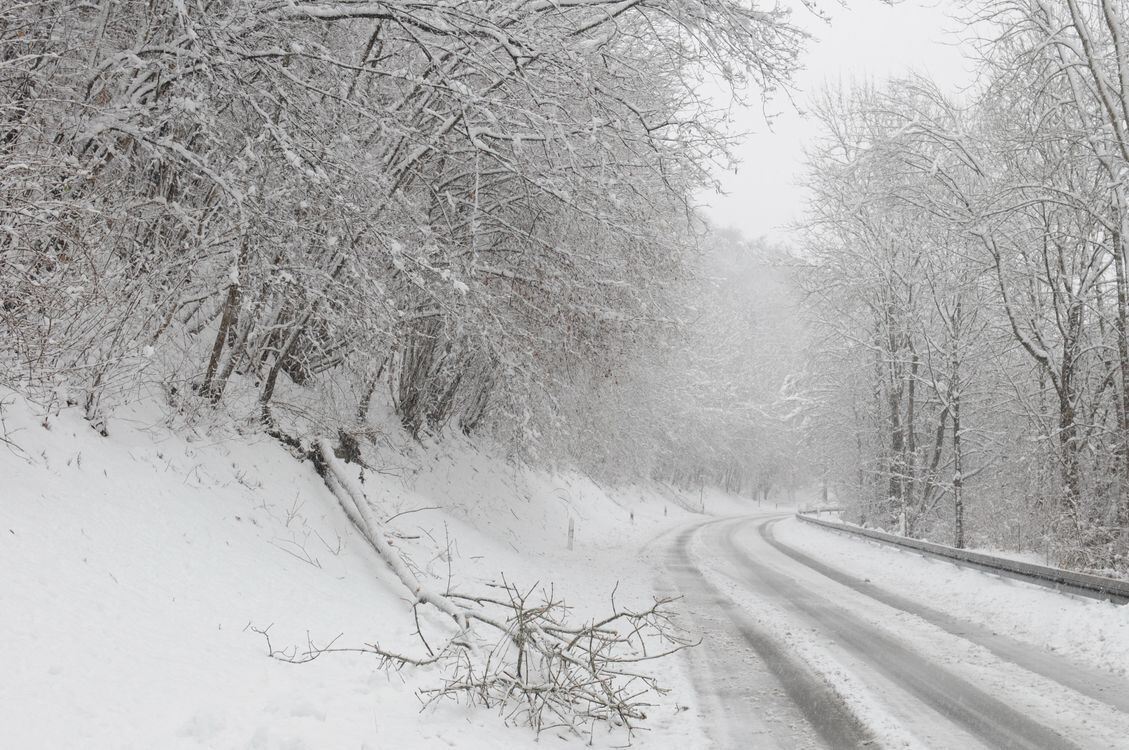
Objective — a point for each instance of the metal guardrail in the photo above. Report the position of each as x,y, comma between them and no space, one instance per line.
1096,587
829,509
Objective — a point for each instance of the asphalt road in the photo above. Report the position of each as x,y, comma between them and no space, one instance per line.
798,655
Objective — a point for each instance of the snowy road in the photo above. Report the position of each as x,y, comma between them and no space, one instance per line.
799,654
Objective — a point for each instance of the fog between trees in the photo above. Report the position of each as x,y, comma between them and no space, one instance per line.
338,219
479,213
970,375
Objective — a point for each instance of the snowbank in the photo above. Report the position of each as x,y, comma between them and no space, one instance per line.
1094,632
138,567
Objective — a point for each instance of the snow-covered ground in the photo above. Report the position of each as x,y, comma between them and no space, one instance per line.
136,569
141,570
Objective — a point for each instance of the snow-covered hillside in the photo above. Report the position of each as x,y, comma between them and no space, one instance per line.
138,568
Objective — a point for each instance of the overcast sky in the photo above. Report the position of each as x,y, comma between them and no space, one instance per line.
867,38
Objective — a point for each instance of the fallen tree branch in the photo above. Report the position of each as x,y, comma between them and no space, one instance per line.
353,500
540,669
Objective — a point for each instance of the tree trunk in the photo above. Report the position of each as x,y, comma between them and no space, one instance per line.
269,382
958,464
226,322
909,452
1067,420
1121,515
212,388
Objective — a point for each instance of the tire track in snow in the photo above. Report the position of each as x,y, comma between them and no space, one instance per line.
981,715
1089,682
793,708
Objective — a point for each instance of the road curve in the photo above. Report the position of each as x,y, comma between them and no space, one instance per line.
1093,683
751,595
740,665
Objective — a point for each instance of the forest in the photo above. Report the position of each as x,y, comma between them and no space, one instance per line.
480,215
329,220
969,378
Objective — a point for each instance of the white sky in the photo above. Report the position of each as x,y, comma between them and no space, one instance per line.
866,39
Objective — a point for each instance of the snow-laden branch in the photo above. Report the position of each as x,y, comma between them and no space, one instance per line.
353,500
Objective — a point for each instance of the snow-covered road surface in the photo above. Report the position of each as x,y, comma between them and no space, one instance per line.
799,653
